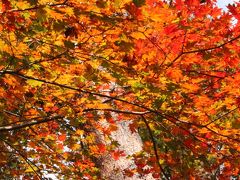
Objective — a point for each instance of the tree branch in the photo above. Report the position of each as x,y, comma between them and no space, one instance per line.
35,7
73,88
165,116
117,111
28,124
220,117
201,50
212,48
154,147
30,163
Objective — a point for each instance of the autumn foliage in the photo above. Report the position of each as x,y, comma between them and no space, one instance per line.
171,68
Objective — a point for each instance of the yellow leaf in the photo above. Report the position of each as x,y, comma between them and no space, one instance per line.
161,161
34,83
138,35
120,3
190,87
75,147
79,132
54,14
43,1
65,79
31,169
176,20
22,4
69,11
59,43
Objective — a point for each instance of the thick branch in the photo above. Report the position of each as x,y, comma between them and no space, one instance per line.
73,88
117,111
165,116
28,124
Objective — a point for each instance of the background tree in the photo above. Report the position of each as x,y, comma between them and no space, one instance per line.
73,72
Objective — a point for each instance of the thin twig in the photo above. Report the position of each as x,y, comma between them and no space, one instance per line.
220,117
154,147
202,50
30,163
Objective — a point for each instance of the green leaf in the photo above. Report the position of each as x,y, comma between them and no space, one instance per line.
125,46
236,124
32,2
59,26
69,44
139,3
158,102
101,3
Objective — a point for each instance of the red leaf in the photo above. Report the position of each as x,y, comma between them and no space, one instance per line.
232,9
62,137
179,4
134,10
54,108
133,127
102,148
193,2
188,142
171,28
60,146
116,154
208,135
6,5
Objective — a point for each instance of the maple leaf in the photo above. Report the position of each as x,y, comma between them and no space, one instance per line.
62,137
6,5
102,148
175,74
117,154
192,2
151,83
139,3
171,28
179,4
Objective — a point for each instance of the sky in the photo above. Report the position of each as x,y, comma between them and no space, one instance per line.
223,3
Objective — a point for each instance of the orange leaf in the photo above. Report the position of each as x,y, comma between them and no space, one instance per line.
62,137
175,74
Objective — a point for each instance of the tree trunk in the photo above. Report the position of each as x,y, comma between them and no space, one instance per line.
130,143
